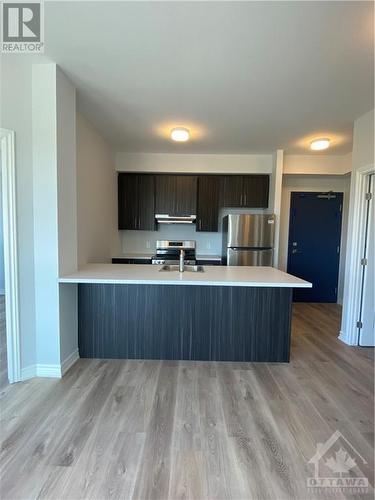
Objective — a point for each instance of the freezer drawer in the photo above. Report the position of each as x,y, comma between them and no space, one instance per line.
246,257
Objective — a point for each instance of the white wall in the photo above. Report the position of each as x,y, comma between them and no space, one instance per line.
363,159
276,189
2,277
16,102
363,141
67,213
40,107
55,231
317,164
319,183
194,163
98,236
45,214
144,242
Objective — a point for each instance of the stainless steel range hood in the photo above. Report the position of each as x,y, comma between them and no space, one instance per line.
174,219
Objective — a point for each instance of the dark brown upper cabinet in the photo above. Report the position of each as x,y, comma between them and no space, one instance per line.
141,196
246,191
176,194
232,189
255,191
136,201
208,203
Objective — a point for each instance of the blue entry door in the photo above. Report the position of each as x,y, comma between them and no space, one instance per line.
314,244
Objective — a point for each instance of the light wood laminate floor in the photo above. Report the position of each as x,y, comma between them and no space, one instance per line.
170,430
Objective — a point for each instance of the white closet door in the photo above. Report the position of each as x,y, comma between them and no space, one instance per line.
367,332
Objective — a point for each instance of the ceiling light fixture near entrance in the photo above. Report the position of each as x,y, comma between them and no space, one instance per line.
319,144
180,134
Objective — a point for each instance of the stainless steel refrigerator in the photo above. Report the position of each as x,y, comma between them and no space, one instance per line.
248,239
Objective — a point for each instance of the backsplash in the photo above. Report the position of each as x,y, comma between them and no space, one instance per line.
207,243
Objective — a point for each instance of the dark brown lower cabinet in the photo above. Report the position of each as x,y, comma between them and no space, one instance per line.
205,262
208,323
125,260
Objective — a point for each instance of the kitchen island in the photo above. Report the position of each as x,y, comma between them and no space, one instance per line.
226,313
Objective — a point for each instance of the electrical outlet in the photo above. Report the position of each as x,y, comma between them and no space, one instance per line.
208,246
148,244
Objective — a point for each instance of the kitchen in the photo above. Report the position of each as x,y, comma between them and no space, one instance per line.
249,308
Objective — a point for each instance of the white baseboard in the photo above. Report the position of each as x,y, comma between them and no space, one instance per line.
50,371
41,370
343,338
69,361
28,372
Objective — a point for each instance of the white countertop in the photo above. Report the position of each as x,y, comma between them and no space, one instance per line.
213,275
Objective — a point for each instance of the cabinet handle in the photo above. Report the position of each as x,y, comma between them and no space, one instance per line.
245,199
200,224
241,200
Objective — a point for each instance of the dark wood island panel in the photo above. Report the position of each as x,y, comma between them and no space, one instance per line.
184,322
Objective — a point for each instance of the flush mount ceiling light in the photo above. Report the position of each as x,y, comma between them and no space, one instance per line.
180,134
320,144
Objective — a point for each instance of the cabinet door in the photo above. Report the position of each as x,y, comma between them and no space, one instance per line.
124,260
208,203
255,191
186,195
175,194
127,201
233,191
146,202
165,187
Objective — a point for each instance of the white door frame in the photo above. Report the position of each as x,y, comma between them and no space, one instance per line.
349,331
8,166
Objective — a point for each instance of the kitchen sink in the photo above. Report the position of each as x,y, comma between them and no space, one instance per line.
188,269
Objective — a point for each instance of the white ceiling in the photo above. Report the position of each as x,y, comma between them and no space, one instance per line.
243,76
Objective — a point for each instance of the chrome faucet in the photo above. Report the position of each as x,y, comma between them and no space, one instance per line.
182,261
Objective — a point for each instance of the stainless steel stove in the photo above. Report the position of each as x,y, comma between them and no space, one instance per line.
168,252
